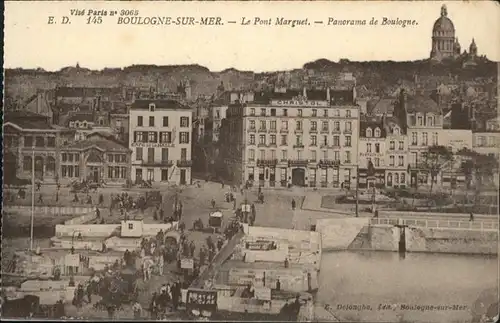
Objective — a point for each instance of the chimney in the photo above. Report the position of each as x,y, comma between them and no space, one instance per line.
304,92
328,94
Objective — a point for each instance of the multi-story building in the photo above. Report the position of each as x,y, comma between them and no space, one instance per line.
160,139
372,149
487,140
396,156
293,137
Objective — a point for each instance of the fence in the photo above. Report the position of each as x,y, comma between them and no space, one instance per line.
445,224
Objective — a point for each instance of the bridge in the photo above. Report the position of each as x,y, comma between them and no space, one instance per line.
438,223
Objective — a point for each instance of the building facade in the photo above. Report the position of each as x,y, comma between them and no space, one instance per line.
160,140
396,154
308,138
372,149
27,135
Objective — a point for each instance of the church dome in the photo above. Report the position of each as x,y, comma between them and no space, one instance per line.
443,23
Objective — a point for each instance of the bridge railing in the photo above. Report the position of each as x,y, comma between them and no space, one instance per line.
448,224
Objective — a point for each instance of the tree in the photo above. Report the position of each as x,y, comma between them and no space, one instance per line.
433,160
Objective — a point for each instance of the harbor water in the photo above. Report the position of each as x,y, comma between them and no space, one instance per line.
385,287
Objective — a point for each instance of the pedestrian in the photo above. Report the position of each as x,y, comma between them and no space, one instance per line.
293,204
137,310
234,204
40,198
471,217
97,213
153,306
213,204
278,284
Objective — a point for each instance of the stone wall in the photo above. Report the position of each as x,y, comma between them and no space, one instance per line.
338,234
383,237
87,231
49,210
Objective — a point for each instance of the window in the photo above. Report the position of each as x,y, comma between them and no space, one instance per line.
151,175
414,138
347,157
336,155
165,121
347,141
348,126
392,145
252,111
325,113
285,112
164,154
262,154
314,125
430,121
110,158
152,107
368,132
272,124
299,112
138,136
262,125
27,163
139,121
435,138
377,162
184,122
377,132
252,124
348,113
273,139
39,141
401,160
419,121
313,141
325,141
424,139
298,140
314,112
284,155
284,140
391,160
152,121
368,148
252,140
337,112
166,137
51,142
184,138
251,172
164,174
336,141
138,153
336,126
377,148
251,154
284,125
313,155
401,145
324,126
298,125
263,112
325,154
262,139
402,178
70,158
183,153
151,155
273,112
152,136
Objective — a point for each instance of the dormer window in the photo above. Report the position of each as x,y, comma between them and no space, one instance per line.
369,132
152,107
131,226
377,132
77,124
395,131
84,124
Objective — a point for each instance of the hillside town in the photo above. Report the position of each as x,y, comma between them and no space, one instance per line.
151,200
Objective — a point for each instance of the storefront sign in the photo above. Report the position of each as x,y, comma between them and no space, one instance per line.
263,293
201,300
151,144
299,103
187,263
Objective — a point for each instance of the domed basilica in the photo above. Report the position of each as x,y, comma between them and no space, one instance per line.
444,43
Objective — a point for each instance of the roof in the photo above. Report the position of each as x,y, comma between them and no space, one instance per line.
380,106
82,117
101,144
160,104
27,120
77,92
420,103
391,123
341,97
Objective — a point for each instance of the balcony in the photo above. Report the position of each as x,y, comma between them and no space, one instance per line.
298,146
347,131
299,131
336,131
184,163
282,130
157,163
298,162
262,130
313,130
329,163
267,162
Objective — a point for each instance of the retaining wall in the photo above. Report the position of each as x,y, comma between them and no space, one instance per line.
338,234
49,210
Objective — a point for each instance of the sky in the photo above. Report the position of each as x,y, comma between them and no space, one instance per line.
31,42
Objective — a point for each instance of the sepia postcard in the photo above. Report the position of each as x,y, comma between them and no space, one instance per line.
319,161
